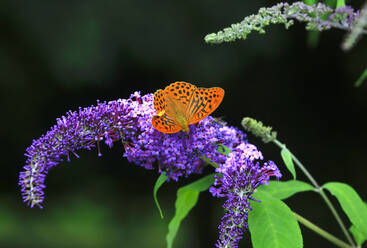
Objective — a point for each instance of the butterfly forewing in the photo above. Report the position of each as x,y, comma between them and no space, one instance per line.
202,103
165,124
159,101
178,96
180,91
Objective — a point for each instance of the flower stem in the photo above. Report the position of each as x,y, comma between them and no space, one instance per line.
208,161
322,232
322,193
299,164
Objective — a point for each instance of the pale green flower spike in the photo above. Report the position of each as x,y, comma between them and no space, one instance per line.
258,129
317,17
357,30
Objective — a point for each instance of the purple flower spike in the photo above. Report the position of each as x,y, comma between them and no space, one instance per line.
239,176
77,130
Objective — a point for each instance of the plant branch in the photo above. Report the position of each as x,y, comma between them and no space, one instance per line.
321,232
322,193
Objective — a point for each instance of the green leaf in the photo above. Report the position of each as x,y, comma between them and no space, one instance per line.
161,179
340,3
287,158
361,78
187,198
200,185
223,149
351,203
359,237
284,190
309,2
330,3
207,160
273,224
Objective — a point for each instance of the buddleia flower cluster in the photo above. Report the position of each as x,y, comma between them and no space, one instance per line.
177,155
238,177
317,17
127,121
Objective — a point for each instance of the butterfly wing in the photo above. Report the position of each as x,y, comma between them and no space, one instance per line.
203,102
165,124
170,105
159,101
178,94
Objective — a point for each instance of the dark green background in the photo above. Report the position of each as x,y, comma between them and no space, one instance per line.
59,55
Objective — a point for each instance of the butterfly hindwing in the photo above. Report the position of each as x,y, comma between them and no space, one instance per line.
165,124
203,102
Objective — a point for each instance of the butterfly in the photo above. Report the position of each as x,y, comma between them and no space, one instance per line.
182,104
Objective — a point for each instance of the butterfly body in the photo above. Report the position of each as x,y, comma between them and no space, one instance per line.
175,108
181,104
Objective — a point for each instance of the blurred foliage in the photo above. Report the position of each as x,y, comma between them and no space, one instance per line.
80,223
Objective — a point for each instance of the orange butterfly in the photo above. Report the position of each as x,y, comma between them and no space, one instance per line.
181,104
